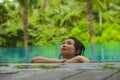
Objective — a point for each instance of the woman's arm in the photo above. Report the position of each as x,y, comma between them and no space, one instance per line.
46,60
78,59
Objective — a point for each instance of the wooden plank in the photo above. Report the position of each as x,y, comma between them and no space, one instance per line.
92,75
63,75
115,76
40,75
66,71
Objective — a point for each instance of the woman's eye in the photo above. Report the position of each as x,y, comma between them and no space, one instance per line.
63,43
70,43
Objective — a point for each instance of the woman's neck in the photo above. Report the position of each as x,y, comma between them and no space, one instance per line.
68,57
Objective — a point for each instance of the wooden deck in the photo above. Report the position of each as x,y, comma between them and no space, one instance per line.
60,71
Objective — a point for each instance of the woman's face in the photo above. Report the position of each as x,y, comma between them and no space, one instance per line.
68,49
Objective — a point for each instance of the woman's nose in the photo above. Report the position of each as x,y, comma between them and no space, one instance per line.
64,44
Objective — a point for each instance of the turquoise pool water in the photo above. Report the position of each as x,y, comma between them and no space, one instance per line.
100,52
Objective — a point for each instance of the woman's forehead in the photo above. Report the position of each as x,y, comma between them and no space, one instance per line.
69,40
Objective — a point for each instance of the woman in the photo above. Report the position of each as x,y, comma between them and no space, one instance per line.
71,50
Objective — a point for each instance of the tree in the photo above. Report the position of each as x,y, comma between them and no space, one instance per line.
91,29
26,5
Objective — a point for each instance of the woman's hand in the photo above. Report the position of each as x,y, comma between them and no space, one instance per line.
47,60
62,60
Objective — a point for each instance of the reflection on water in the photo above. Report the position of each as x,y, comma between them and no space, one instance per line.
19,55
105,52
102,52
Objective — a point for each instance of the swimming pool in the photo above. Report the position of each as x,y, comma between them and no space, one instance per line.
100,52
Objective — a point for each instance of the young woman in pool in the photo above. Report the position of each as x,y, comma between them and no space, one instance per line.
72,51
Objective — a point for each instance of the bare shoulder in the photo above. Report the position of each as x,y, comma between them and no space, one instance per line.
82,59
77,59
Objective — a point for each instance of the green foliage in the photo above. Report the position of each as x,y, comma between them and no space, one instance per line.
81,32
109,32
45,35
51,21
5,16
10,35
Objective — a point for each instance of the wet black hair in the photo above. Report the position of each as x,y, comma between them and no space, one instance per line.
79,47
